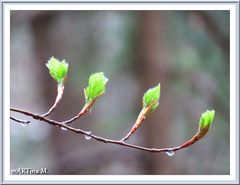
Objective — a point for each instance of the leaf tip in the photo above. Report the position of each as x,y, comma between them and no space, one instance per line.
96,86
57,69
151,97
206,119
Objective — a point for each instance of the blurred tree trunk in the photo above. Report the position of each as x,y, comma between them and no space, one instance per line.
45,47
41,26
154,62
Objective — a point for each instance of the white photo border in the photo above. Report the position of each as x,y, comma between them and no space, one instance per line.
108,179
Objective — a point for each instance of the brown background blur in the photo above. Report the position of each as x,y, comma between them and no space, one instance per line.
186,51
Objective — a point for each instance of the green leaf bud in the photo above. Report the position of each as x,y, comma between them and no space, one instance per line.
96,86
151,98
206,119
58,69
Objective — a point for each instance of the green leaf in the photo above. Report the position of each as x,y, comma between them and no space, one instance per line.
96,86
58,69
151,98
206,119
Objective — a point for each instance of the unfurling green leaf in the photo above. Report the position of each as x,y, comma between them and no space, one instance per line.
151,98
96,86
58,69
206,119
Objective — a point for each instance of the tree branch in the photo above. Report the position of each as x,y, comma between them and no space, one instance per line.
169,151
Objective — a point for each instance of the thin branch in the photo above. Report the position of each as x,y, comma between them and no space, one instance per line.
84,110
138,122
25,122
193,140
60,91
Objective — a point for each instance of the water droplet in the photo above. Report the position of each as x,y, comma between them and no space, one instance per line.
106,79
24,124
88,137
63,128
170,153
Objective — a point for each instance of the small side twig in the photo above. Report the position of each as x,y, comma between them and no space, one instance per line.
87,107
196,138
25,122
138,122
60,91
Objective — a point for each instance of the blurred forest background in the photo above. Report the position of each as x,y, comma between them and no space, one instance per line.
186,51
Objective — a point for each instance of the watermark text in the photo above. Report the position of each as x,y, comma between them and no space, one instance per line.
29,171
